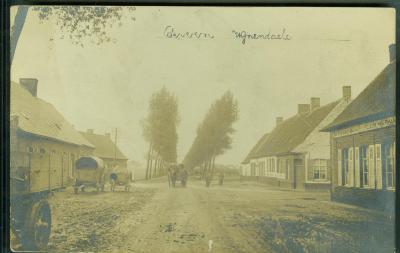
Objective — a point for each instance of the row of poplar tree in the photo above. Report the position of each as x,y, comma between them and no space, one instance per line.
160,131
213,138
214,135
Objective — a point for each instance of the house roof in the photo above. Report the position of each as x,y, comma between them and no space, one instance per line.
104,146
376,101
40,118
255,148
317,143
292,132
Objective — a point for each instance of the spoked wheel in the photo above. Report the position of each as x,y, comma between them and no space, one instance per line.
38,228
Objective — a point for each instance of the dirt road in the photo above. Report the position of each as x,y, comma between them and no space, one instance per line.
236,217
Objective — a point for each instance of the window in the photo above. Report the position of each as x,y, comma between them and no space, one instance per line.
320,169
281,166
388,164
345,165
287,169
72,166
273,165
262,168
253,169
364,165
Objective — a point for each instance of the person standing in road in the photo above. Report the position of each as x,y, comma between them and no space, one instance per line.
208,179
169,176
184,175
174,176
221,178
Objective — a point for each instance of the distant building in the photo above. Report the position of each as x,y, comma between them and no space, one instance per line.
295,154
246,169
363,145
137,169
42,141
106,149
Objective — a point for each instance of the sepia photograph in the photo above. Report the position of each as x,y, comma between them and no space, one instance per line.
185,129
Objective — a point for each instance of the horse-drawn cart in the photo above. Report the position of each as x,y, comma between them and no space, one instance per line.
31,184
120,177
89,173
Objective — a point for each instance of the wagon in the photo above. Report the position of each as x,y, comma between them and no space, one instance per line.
120,177
89,173
31,184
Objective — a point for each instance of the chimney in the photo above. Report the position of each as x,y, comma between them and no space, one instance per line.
108,135
392,52
279,120
347,93
90,131
30,84
303,108
315,103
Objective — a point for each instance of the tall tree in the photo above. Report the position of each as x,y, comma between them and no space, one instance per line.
160,127
214,134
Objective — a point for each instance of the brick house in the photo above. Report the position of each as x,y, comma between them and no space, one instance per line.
43,144
106,149
363,145
296,154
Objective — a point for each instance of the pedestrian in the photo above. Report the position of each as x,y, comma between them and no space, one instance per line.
169,176
174,176
221,178
184,175
113,180
208,179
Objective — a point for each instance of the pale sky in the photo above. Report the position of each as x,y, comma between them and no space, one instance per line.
108,86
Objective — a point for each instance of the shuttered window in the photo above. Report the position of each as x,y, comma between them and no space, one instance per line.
378,166
371,154
357,179
350,168
388,157
364,166
339,176
345,165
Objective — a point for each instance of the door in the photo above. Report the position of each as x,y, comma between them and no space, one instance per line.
299,174
55,169
39,171
294,177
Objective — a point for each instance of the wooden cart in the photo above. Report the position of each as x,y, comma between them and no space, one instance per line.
33,177
89,173
120,177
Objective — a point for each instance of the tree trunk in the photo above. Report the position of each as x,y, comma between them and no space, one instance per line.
161,167
16,29
155,166
148,162
208,167
151,164
213,166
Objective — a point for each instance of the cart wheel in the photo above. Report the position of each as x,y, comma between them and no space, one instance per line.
38,226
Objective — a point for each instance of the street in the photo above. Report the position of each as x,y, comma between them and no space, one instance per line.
235,217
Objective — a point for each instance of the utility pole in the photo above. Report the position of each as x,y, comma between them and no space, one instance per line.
115,146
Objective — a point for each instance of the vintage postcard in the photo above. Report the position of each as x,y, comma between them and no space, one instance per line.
202,129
